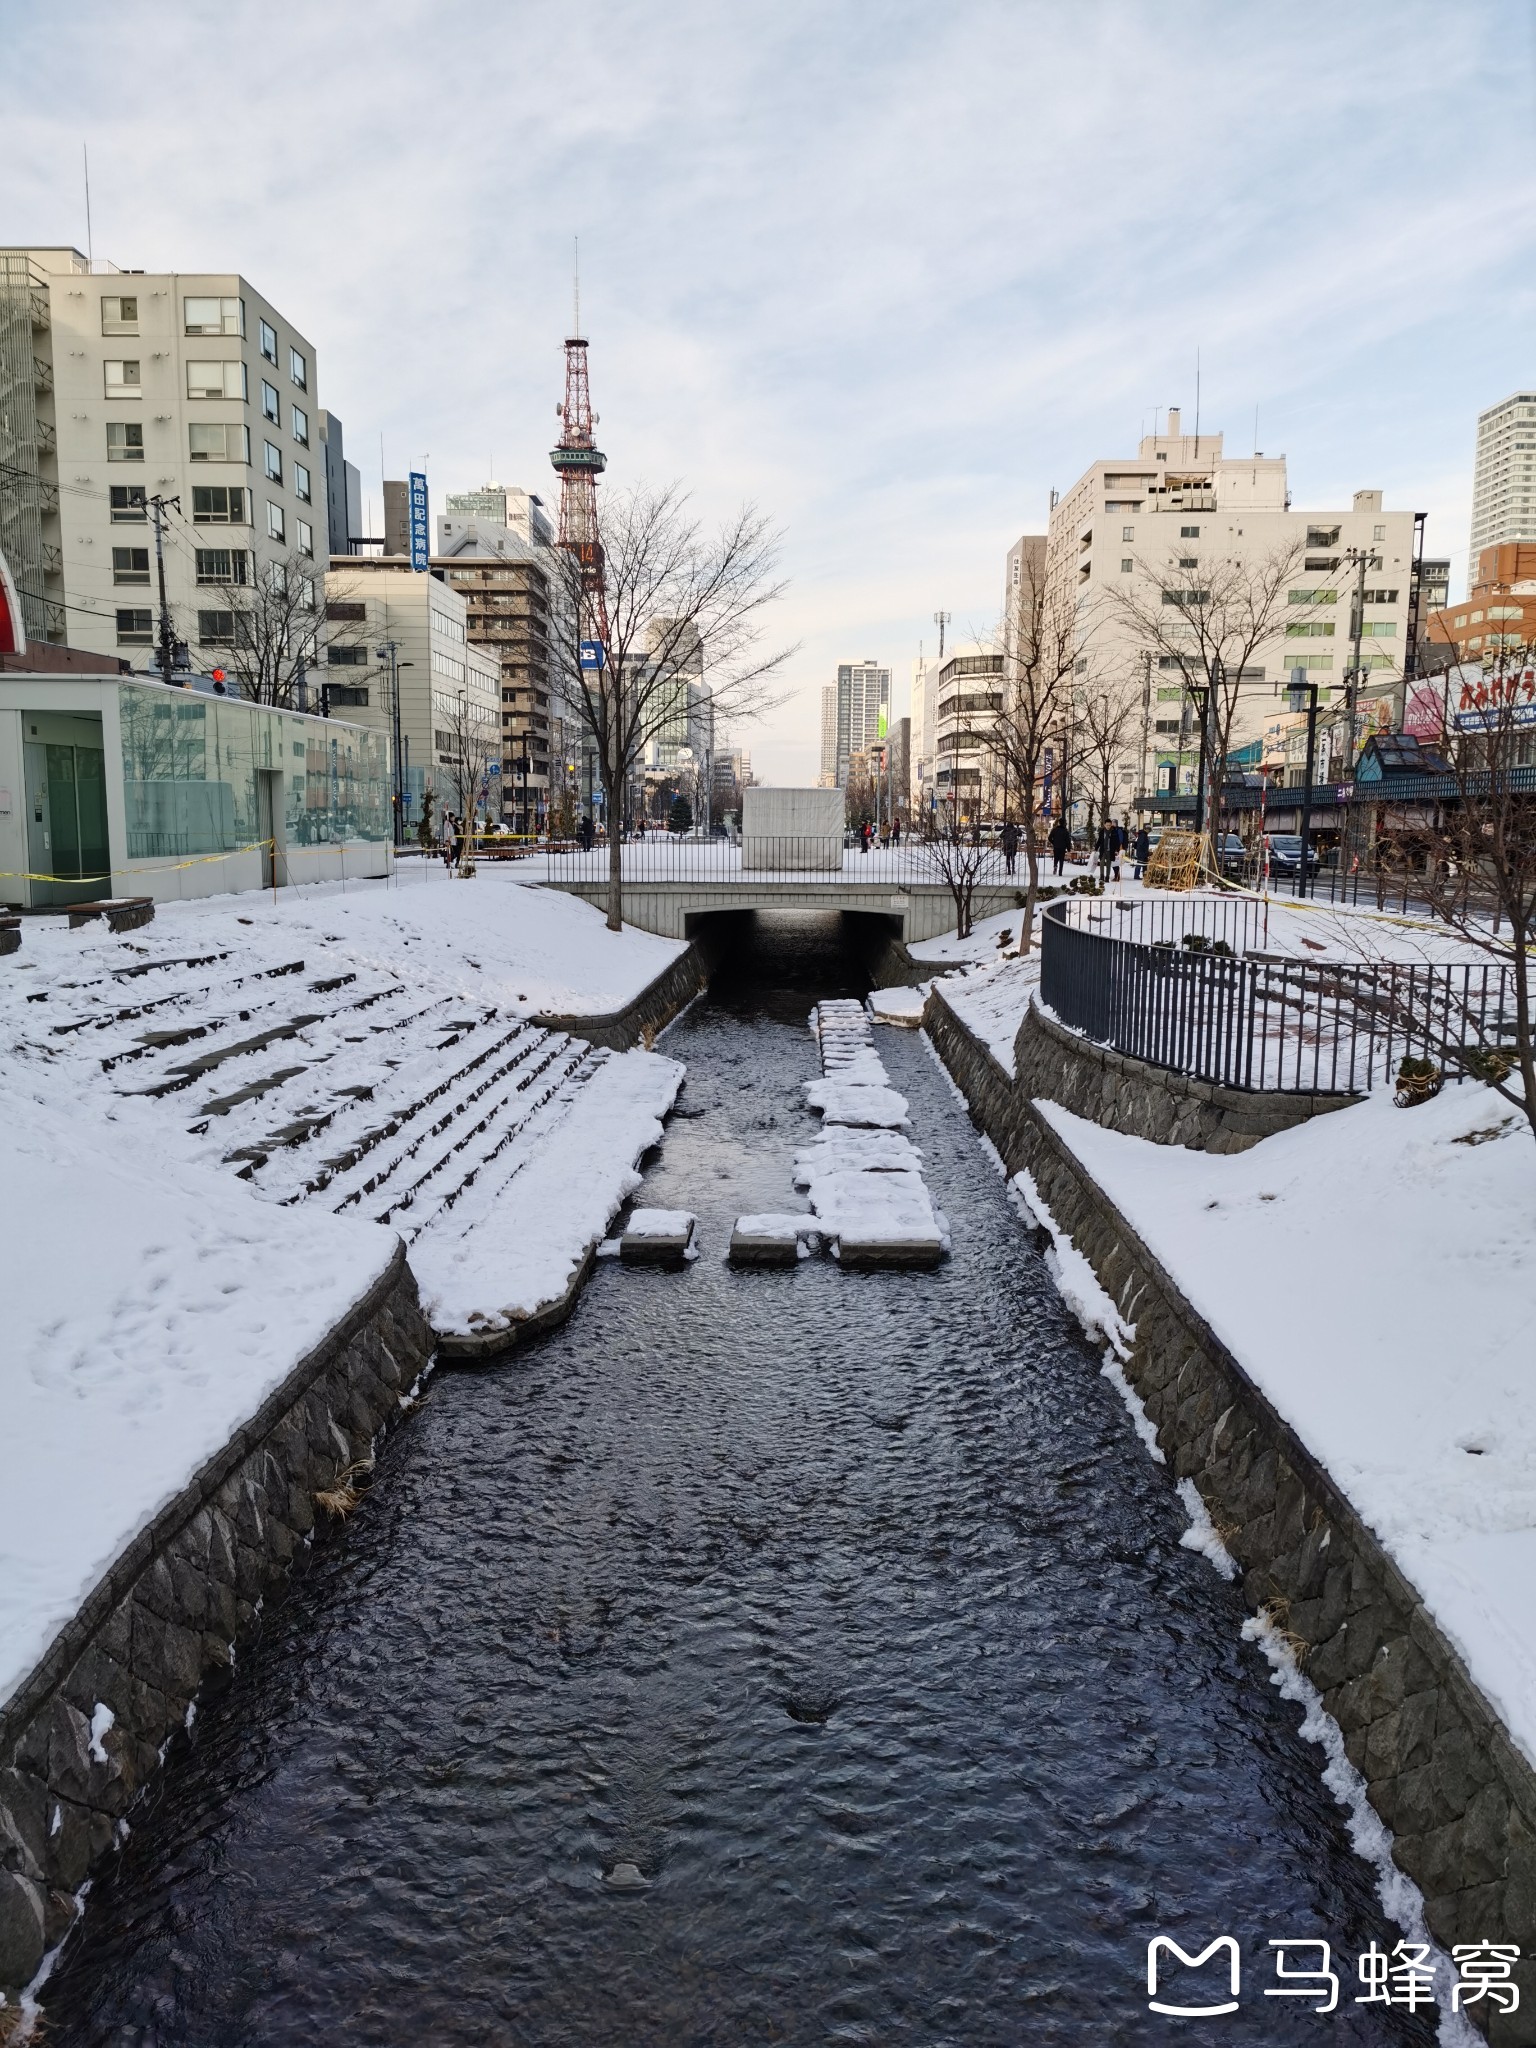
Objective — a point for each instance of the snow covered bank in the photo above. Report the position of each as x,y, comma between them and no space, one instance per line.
1372,1272
152,1304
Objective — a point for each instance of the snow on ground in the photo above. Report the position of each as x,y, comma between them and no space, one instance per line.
899,1006
991,1000
863,1176
221,1125
1398,1347
151,1305
949,951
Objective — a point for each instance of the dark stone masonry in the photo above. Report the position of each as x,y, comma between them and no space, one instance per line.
167,1613
1440,1767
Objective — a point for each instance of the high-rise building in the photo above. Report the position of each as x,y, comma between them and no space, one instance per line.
515,588
1504,474
120,387
863,709
343,490
498,505
827,779
967,774
1497,615
925,690
1147,523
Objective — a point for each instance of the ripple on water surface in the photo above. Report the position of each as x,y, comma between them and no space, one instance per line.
845,1609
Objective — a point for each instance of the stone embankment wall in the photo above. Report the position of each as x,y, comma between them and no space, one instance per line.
1439,1765
1124,1094
166,1615
650,1012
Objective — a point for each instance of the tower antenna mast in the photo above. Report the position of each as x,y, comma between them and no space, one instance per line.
579,462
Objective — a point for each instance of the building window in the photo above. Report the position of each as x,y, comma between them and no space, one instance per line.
127,504
123,379
1379,629
125,441
217,380
277,525
215,316
1311,597
344,613
217,505
134,628
1127,533
1314,629
223,565
1188,562
219,441
1189,533
346,657
298,369
130,565
1322,536
306,534
1378,533
267,337
119,316
301,488
269,406
1127,564
298,425
348,694
215,629
272,462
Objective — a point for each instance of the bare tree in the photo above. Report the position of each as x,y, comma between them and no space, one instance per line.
467,739
679,604
1210,624
955,852
1102,720
274,629
1481,871
1038,641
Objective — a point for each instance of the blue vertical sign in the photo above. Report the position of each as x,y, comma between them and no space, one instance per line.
420,549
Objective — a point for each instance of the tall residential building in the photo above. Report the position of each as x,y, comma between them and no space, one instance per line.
119,387
1149,521
827,779
515,589
966,772
377,600
924,736
863,707
1504,474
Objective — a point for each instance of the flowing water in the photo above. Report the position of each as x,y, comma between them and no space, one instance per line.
846,1607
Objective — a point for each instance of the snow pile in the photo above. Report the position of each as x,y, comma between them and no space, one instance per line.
152,1304
1408,1375
991,1000
902,1006
863,1176
517,1243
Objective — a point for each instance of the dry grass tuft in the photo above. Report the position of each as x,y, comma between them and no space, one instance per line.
341,1498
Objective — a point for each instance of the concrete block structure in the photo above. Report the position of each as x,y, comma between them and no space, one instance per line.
792,830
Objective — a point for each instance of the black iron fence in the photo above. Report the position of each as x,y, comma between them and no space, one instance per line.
830,857
1221,1011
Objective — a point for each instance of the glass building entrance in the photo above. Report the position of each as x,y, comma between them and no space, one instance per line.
66,801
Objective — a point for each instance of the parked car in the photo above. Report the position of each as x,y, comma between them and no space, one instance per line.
1284,851
1231,854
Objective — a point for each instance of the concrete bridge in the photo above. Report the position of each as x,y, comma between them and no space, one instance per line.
915,908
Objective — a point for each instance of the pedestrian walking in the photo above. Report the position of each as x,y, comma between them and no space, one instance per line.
1118,837
445,838
864,837
1141,851
458,842
1060,844
895,831
1010,844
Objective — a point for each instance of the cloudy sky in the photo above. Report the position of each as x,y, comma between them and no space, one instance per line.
891,270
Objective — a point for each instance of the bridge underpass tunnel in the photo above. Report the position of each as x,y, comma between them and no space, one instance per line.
808,952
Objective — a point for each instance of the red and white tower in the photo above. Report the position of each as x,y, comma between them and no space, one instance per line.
579,463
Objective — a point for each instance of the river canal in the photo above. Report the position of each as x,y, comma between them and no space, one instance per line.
846,1607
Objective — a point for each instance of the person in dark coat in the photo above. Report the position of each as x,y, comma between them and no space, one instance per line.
458,842
1010,844
1061,843
1141,851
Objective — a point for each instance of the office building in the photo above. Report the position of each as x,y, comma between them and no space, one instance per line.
1497,615
968,779
120,387
863,708
403,624
497,505
925,691
1504,474
1146,523
343,490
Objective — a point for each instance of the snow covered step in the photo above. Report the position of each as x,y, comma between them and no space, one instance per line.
658,1237
858,1103
771,1239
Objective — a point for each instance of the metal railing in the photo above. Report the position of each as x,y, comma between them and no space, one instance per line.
1128,978
833,859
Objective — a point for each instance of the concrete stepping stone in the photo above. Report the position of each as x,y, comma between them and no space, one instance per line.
658,1237
770,1239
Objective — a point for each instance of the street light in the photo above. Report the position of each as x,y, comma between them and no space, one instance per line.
1299,687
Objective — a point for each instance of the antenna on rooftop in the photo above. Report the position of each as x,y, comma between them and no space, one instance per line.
90,253
575,284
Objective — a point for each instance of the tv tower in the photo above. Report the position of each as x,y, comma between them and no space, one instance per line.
579,463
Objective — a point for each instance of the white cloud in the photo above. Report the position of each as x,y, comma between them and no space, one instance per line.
891,270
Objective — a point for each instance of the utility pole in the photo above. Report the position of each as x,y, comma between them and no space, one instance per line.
390,652
158,506
1298,686
1146,718
1359,559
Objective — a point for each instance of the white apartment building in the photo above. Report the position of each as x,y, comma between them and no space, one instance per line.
863,709
132,385
1504,475
371,601
969,696
925,696
1148,522
520,511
